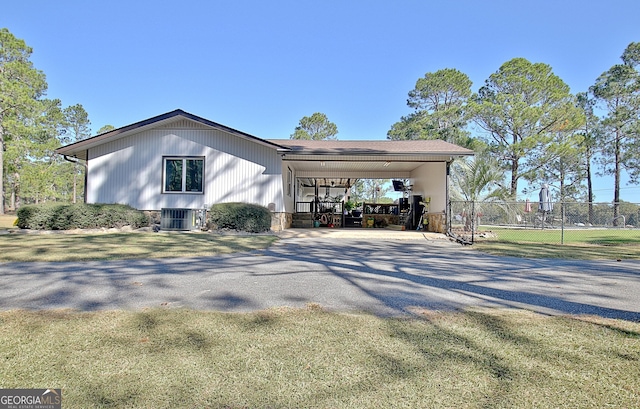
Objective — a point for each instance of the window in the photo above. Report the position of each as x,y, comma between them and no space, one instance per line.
183,175
289,181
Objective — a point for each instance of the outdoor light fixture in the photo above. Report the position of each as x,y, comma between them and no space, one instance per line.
387,163
322,164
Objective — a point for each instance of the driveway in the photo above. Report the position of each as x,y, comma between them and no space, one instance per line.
395,274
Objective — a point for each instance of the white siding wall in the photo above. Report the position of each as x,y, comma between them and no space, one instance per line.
129,170
429,180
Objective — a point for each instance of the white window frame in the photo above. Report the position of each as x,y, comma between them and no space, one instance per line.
289,181
184,160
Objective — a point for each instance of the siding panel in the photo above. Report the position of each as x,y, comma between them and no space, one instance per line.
129,170
430,180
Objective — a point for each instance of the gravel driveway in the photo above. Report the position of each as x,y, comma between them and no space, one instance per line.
389,276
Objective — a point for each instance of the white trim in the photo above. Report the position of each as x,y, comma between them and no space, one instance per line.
184,159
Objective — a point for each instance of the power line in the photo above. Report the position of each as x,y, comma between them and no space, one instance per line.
622,188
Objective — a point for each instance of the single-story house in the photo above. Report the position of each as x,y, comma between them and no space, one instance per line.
178,160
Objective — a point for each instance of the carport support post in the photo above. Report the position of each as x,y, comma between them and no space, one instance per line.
315,198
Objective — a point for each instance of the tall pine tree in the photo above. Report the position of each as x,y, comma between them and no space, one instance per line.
21,86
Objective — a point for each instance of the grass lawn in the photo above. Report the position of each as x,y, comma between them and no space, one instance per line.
578,244
291,358
294,358
110,246
6,221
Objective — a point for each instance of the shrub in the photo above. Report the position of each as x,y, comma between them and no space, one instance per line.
240,216
79,216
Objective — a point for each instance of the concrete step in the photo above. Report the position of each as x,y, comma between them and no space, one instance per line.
302,224
303,216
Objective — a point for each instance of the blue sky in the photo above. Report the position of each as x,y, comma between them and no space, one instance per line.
260,66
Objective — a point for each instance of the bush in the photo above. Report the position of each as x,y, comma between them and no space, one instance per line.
79,216
240,216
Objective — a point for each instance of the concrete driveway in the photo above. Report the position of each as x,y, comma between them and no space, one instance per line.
389,274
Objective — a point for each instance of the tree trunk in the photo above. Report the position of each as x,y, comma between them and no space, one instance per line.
15,188
589,188
562,192
588,155
514,179
616,179
1,167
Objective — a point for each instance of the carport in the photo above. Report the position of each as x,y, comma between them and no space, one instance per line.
320,171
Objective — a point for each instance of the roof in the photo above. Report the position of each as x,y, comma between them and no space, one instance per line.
372,147
79,149
301,148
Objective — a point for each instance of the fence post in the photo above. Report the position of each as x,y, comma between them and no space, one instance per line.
562,224
473,221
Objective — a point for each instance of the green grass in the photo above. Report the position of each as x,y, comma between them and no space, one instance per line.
583,244
289,358
571,236
111,246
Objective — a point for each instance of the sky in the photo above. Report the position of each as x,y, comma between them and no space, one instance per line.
260,66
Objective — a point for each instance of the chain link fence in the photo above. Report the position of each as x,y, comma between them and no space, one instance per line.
559,222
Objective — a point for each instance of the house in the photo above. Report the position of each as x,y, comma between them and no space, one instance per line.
181,161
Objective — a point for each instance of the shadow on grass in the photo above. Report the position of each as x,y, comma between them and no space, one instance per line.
506,355
313,358
454,353
83,247
615,241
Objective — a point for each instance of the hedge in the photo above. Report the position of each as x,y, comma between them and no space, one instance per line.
240,216
79,216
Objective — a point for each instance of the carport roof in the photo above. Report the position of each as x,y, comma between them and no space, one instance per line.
372,159
371,147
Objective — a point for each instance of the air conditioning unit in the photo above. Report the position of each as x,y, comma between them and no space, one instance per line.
181,219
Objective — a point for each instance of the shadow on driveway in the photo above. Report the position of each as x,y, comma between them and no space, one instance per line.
382,276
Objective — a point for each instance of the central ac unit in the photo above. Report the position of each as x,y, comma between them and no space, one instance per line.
178,219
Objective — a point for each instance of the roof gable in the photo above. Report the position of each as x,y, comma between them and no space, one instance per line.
78,149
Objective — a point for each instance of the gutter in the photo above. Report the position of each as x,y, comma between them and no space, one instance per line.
74,159
70,160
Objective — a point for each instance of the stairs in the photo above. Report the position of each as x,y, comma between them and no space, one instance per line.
302,220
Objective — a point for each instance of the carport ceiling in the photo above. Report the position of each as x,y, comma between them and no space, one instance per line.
328,182
354,166
365,159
